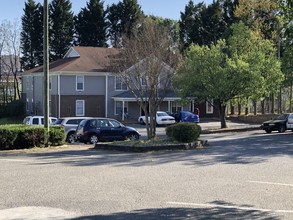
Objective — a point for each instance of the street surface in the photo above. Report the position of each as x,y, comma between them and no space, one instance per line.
243,175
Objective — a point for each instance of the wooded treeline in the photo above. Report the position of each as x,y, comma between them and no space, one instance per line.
200,28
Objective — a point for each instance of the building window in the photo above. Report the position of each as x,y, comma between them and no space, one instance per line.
210,107
27,83
176,107
27,105
79,107
118,108
143,81
79,83
120,85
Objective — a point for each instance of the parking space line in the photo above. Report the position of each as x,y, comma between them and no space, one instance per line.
14,160
271,183
204,205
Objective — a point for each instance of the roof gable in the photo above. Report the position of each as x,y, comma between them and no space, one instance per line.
71,53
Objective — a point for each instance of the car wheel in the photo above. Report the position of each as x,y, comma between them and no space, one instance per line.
133,136
268,131
282,128
93,139
70,138
141,121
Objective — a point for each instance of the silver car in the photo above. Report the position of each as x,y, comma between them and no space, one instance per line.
70,124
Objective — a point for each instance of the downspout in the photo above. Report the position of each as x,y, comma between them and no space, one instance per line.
106,97
58,92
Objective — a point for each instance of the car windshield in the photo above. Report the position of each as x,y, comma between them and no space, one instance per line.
58,122
281,117
160,114
187,113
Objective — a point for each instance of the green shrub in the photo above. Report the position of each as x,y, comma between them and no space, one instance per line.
57,135
8,135
25,136
30,136
184,132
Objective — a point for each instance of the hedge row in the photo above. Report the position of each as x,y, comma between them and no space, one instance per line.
184,132
25,136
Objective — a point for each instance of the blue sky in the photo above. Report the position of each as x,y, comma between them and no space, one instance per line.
13,9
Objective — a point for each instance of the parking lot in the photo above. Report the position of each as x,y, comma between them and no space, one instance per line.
243,175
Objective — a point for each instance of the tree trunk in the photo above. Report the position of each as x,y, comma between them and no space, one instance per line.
273,103
290,98
222,111
239,108
254,107
262,104
232,108
246,110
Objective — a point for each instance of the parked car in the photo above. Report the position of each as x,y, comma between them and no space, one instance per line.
185,116
37,120
162,118
104,129
281,123
70,124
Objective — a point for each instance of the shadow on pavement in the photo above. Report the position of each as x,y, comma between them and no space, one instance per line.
215,211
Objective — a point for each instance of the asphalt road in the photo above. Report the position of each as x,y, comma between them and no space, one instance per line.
244,175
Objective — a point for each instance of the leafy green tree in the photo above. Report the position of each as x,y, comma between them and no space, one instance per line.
287,68
121,19
259,15
61,29
32,35
242,67
90,25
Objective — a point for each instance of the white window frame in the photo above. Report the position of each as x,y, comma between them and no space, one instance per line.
77,83
82,103
27,83
209,107
143,80
27,105
121,84
119,112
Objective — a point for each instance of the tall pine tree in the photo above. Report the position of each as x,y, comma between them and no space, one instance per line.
32,35
205,25
90,25
121,20
61,29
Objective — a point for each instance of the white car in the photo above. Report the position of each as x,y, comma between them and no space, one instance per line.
37,120
162,118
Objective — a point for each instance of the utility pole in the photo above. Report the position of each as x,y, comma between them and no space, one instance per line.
46,72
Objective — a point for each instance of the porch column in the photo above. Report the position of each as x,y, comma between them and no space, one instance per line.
169,106
123,110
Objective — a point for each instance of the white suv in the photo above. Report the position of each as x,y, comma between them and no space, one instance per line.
37,120
70,124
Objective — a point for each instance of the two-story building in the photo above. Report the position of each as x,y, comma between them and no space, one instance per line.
81,84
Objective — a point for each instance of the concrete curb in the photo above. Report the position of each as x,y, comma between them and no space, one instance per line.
222,130
127,148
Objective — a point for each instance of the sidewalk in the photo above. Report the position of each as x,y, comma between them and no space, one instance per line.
214,126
